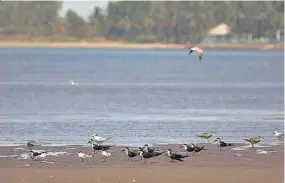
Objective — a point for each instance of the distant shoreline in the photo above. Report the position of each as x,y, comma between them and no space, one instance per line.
120,45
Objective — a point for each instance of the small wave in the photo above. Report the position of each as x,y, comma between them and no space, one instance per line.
238,154
26,155
49,162
19,148
8,156
261,152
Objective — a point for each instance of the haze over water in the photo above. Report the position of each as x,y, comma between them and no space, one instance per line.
138,96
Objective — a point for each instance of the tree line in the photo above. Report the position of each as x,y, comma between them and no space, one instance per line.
142,21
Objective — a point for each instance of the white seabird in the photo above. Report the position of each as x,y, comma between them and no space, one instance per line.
198,50
106,155
98,139
83,155
279,135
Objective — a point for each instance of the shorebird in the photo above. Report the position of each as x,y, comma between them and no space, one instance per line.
175,156
188,148
198,149
222,144
98,147
36,155
146,155
31,144
253,140
83,156
279,135
146,148
198,50
106,155
99,140
129,154
206,135
72,82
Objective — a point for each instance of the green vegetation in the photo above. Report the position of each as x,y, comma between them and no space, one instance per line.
142,21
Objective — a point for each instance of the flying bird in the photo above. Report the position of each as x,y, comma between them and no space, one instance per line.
198,50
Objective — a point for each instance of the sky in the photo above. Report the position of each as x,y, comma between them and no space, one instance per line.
83,8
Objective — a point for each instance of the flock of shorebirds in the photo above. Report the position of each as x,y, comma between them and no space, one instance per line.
145,152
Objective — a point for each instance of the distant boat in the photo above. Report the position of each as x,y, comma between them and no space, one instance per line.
72,82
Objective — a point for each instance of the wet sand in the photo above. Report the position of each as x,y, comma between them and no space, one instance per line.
211,165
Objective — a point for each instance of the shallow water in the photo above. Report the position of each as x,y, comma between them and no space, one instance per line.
138,96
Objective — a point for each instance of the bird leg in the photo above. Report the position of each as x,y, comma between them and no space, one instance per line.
208,140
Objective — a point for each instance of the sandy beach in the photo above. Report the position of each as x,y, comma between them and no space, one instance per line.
120,45
240,163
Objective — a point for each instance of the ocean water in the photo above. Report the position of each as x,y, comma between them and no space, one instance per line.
138,96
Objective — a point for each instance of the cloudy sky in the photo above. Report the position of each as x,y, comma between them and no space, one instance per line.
83,8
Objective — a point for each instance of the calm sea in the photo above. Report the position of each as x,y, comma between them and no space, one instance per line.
138,96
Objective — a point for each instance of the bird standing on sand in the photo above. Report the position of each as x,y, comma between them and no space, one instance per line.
206,135
98,147
36,155
175,156
279,135
253,140
106,155
188,148
31,144
129,154
146,155
222,144
198,149
146,148
99,140
83,156
198,50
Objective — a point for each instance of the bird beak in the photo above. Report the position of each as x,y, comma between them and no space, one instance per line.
215,141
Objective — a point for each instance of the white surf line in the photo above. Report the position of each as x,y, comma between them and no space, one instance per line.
26,155
261,152
243,148
8,156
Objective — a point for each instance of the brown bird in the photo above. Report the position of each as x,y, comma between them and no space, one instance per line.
198,50
206,135
31,144
253,140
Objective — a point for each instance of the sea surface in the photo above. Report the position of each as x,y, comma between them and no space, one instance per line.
138,96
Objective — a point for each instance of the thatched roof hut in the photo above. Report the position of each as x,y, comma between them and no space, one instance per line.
220,30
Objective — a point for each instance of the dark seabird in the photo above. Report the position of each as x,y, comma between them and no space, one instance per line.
175,156
147,155
98,147
198,149
187,148
35,155
130,154
222,144
148,149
